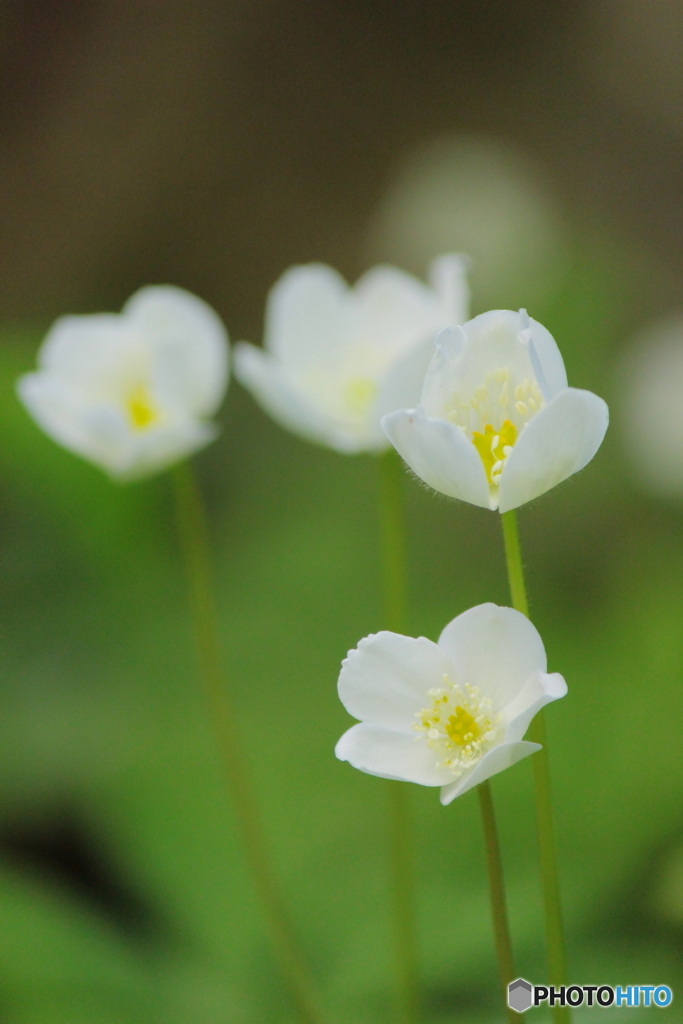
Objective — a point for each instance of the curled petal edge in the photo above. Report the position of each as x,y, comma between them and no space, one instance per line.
439,454
497,760
558,442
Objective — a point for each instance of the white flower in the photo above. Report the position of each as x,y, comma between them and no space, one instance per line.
480,195
337,358
497,424
650,408
133,392
450,714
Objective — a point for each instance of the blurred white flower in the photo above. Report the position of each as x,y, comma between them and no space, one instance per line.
337,358
476,194
651,420
498,425
132,392
450,714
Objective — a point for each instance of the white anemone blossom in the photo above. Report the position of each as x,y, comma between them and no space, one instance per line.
337,358
132,392
452,713
497,424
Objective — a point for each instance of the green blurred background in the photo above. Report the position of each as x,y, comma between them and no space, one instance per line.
212,145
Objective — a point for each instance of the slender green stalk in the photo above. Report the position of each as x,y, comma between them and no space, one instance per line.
513,556
403,885
393,540
501,928
194,540
550,881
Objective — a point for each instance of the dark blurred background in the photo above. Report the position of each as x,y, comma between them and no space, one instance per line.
215,143
211,145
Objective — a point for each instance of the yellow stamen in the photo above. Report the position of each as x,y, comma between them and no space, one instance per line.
489,445
140,408
462,728
459,726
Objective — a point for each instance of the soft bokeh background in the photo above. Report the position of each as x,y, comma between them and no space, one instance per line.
212,145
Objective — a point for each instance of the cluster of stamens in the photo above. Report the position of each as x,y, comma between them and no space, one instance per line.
458,726
495,416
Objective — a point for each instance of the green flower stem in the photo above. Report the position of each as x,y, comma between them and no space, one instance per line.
501,928
194,541
393,541
393,531
550,881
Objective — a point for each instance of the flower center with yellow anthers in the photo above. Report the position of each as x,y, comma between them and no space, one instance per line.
462,727
359,393
459,726
495,416
494,448
140,408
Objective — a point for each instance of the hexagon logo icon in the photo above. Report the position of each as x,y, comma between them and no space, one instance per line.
520,995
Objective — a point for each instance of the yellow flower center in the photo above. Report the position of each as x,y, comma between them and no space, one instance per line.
140,408
458,726
462,727
494,448
359,393
495,416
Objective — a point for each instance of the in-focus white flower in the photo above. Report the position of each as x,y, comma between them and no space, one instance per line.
450,714
337,358
132,392
497,424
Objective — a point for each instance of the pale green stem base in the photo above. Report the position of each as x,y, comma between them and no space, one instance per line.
550,881
392,527
501,928
195,547
403,886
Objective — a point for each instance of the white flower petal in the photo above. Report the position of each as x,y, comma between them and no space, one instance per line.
159,448
440,454
390,755
557,442
496,760
386,678
394,311
496,649
492,343
85,353
539,690
499,339
549,356
64,416
440,380
401,386
307,317
188,344
265,377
